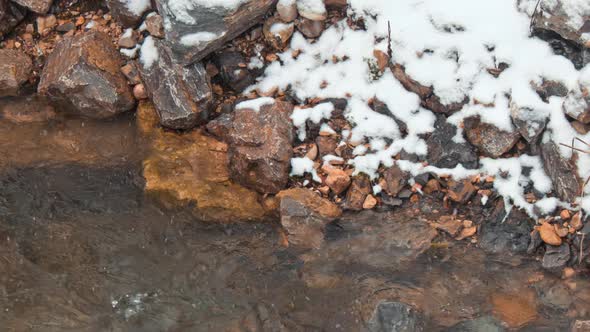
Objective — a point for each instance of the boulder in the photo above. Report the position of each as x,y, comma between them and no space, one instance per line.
10,16
562,172
489,139
304,216
259,145
15,68
443,152
182,95
191,170
564,32
83,74
128,13
37,6
195,29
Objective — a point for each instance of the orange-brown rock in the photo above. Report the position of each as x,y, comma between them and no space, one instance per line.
191,169
461,191
15,68
548,234
395,179
338,180
358,192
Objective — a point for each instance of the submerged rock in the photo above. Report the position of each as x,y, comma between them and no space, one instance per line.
15,68
395,316
304,216
83,74
191,169
182,95
562,172
38,6
481,324
443,152
10,16
128,13
502,234
195,30
490,140
556,257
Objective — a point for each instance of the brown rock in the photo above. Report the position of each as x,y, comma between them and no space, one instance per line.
310,28
155,25
358,192
317,12
395,180
233,70
338,180
562,172
382,59
259,145
580,128
369,203
128,40
277,33
467,232
182,95
131,71
576,222
304,216
577,104
548,234
27,110
121,12
191,169
139,92
15,68
287,10
336,4
10,16
83,74
461,191
581,326
38,6
449,225
326,145
490,140
432,186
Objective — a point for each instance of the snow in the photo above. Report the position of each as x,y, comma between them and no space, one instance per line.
302,166
148,52
138,7
130,52
197,38
255,104
449,45
181,9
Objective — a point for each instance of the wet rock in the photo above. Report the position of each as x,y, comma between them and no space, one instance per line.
304,215
191,170
233,70
10,16
490,140
128,17
38,6
26,110
287,10
358,192
443,152
310,28
556,257
562,172
155,25
259,145
196,31
83,74
506,234
530,123
15,68
552,23
395,316
395,180
182,95
277,33
557,296
481,324
461,191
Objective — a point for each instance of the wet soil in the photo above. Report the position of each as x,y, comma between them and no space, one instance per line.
83,249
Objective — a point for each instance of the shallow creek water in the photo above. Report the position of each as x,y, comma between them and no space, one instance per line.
83,249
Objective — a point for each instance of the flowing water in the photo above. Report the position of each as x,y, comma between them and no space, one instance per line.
83,249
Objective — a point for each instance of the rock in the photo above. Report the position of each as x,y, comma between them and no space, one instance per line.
326,145
395,180
549,88
501,234
259,145
191,170
233,70
516,310
481,324
277,33
287,10
336,4
128,17
461,191
449,225
358,192
195,31
155,25
314,10
581,326
553,24
577,104
46,23
576,222
15,68
65,27
530,123
466,232
128,39
28,109
338,180
83,74
580,128
37,6
443,152
556,257
562,172
304,215
182,95
370,202
490,140
548,234
557,296
310,28
139,92
535,243
10,16
395,316
131,72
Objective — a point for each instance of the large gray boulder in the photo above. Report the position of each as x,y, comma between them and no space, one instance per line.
194,28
